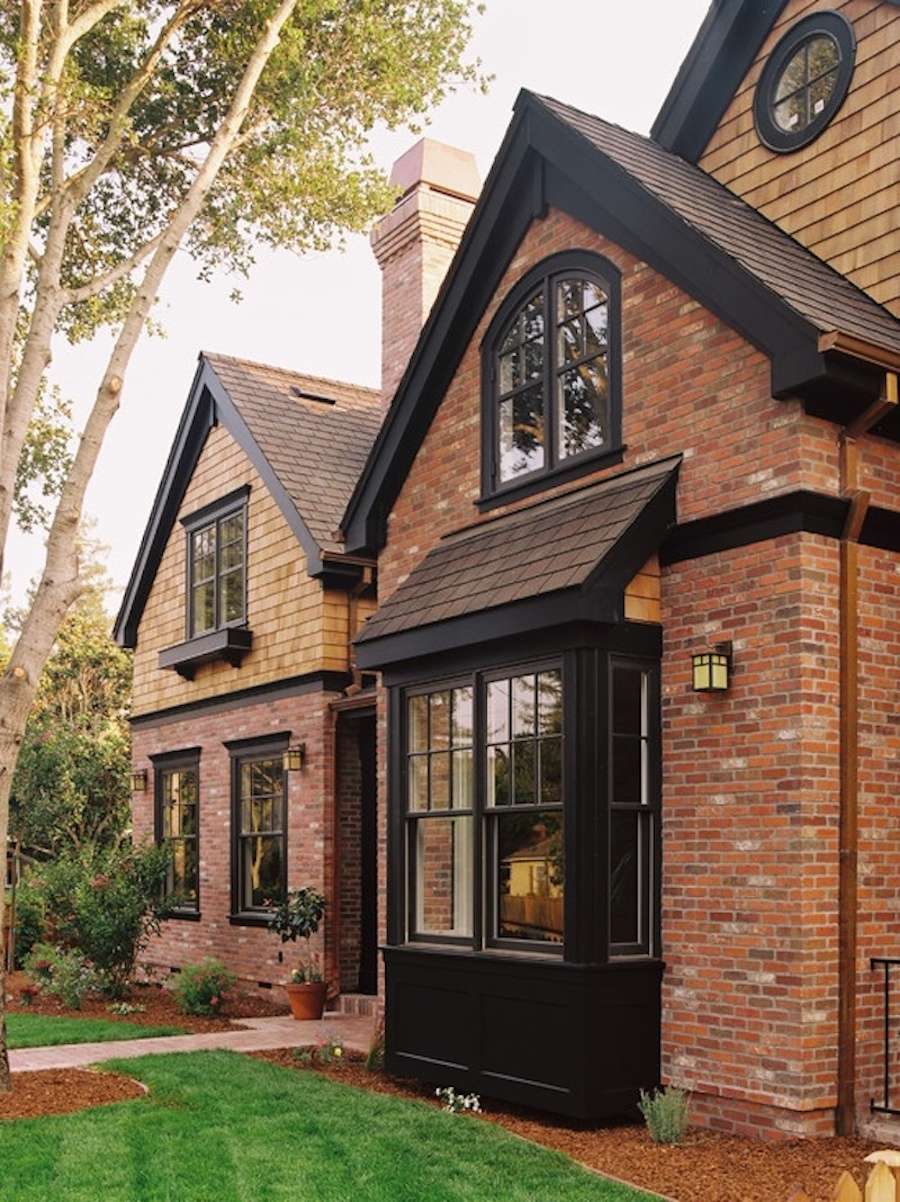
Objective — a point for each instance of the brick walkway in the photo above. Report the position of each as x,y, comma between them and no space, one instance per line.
259,1035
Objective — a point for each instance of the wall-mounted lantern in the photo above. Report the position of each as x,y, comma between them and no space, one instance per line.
712,669
293,757
139,781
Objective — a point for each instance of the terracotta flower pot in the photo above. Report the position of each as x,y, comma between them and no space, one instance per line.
307,1001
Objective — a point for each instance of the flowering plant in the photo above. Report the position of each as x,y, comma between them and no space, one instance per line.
458,1103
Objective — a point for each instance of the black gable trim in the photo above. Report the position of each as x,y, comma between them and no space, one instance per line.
544,162
722,53
208,403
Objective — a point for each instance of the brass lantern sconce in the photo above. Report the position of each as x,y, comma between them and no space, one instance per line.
139,781
293,758
712,669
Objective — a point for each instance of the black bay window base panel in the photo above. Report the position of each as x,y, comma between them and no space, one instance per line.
575,1040
230,644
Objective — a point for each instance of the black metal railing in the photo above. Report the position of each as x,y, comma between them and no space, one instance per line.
887,963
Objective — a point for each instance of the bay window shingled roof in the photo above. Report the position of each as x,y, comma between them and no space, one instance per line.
810,286
314,432
566,543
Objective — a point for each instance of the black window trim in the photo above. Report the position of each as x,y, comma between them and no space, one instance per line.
571,263
213,514
828,24
267,746
482,939
168,761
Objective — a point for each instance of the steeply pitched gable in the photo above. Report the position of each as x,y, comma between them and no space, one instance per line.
307,437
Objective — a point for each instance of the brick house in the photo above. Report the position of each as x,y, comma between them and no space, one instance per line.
626,542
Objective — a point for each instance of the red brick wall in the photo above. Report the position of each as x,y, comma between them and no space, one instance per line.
750,794
349,869
251,952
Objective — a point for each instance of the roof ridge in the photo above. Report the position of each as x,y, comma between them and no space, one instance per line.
726,192
212,356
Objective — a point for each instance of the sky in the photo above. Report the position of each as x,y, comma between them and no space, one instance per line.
616,60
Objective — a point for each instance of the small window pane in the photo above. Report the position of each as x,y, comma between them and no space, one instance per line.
204,608
523,706
510,370
551,771
624,884
525,791
261,870
443,858
231,556
790,115
549,703
571,342
569,299
534,359
820,93
824,55
521,434
794,75
533,317
418,723
597,330
529,868
584,396
462,780
440,721
498,783
440,781
593,295
183,875
233,596
417,782
231,530
462,717
628,771
628,704
498,711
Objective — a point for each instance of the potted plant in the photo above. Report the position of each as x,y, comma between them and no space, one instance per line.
298,917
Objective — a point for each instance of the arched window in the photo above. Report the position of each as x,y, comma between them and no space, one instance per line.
551,375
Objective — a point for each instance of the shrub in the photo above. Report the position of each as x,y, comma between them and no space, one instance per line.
29,918
201,987
104,903
375,1054
328,1051
665,1112
65,975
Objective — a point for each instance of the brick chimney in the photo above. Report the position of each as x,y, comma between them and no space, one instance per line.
415,243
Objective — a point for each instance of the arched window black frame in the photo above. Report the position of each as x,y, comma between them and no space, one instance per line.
822,24
545,275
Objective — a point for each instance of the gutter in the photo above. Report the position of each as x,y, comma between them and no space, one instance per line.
848,836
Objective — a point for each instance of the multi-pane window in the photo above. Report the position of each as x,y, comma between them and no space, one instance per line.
177,827
217,592
439,807
632,816
552,398
260,830
524,807
807,83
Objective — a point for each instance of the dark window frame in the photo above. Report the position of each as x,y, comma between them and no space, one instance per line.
544,276
243,751
483,937
820,24
163,763
212,516
648,811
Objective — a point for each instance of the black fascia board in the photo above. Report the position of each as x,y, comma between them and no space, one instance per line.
544,162
208,403
196,422
512,196
725,48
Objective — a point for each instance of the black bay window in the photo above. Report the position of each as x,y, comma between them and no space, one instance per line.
259,827
487,802
177,799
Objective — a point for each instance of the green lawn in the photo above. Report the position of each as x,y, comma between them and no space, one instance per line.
42,1030
220,1127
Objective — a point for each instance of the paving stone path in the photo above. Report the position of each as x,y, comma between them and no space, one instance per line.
258,1035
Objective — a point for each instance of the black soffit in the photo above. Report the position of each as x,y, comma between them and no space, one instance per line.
726,46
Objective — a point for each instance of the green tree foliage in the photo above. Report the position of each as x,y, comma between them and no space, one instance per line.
71,784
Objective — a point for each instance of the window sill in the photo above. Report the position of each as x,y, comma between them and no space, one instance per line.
230,644
249,920
532,485
183,916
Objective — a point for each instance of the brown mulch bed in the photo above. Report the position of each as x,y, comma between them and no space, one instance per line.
707,1166
159,1008
63,1091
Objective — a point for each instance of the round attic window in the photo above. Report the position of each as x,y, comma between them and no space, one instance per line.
805,81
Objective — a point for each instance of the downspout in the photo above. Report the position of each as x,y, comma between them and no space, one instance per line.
848,833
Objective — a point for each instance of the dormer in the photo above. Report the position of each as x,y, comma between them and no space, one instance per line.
796,108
